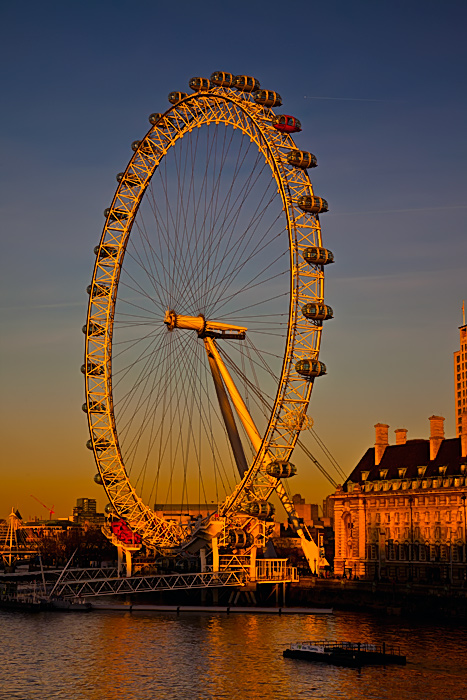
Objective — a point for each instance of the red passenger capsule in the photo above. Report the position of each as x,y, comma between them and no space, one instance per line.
286,123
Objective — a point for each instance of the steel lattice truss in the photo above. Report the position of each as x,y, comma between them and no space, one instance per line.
228,107
70,587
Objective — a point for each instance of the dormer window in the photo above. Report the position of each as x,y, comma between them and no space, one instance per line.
463,468
383,473
421,471
442,470
402,472
365,476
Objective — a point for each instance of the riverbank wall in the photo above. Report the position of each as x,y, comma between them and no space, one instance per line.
405,599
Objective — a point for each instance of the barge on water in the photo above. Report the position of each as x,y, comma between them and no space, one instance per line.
346,653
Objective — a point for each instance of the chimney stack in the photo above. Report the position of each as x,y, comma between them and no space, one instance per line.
401,436
463,434
436,434
381,441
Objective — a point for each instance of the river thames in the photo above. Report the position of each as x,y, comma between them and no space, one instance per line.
202,656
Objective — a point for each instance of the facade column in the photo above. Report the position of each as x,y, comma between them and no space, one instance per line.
339,535
362,548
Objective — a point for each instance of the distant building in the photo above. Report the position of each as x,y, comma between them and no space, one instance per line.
184,512
308,512
460,378
85,511
401,514
286,543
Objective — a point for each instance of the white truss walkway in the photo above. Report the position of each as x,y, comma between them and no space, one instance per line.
97,582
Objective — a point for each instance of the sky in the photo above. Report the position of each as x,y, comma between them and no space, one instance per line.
380,91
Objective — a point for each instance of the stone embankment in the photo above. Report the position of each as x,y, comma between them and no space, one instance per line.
407,599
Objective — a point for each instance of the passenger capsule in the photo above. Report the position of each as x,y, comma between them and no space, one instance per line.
161,120
94,328
260,509
310,368
98,290
246,83
99,444
267,98
94,407
129,180
281,470
199,84
155,117
109,509
93,369
175,97
106,252
317,312
302,159
239,539
116,214
286,123
98,479
145,147
222,79
314,205
318,256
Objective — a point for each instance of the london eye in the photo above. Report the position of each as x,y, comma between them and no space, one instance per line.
205,314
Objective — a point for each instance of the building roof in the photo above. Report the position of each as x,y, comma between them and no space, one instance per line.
410,456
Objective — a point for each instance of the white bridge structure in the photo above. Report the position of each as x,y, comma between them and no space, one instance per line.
85,583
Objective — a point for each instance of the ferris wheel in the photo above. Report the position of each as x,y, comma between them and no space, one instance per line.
205,315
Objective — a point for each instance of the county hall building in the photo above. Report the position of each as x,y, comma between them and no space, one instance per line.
401,514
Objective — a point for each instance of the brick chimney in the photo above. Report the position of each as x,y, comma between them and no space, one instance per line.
463,434
381,441
401,436
436,434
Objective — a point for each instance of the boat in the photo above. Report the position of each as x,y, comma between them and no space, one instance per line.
346,653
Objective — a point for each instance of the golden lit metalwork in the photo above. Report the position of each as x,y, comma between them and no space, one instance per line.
228,101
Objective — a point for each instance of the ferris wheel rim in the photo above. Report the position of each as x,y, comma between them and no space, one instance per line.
143,519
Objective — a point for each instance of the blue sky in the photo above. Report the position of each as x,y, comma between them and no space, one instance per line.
380,90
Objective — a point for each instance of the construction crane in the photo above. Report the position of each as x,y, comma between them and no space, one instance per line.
51,510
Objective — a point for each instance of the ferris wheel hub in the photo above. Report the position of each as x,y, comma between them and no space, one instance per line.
205,329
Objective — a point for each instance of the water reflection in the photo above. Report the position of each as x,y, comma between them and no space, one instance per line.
215,657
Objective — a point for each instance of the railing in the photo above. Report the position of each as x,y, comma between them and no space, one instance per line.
328,646
274,571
